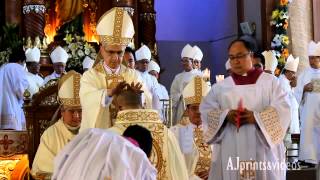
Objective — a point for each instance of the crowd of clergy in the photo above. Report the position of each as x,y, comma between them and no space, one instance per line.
111,124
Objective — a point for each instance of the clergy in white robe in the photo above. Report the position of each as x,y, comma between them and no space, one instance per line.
128,58
197,58
245,117
59,58
166,155
59,134
180,81
32,61
101,154
162,93
308,95
100,83
288,82
196,151
13,80
143,57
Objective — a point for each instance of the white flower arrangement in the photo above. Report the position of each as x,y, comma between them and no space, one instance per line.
4,56
77,49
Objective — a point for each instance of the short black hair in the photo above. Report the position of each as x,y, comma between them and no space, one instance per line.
130,97
260,56
142,136
17,55
247,44
130,50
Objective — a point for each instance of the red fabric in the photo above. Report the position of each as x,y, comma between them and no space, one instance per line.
133,141
251,78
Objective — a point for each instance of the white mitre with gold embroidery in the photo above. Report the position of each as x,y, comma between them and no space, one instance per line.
33,55
69,87
195,90
292,63
115,27
271,61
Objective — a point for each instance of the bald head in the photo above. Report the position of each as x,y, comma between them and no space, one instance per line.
128,99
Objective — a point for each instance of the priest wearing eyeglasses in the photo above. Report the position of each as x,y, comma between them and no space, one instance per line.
245,117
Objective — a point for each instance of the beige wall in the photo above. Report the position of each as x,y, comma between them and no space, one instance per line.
301,30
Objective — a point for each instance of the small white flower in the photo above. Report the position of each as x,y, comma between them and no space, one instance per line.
80,53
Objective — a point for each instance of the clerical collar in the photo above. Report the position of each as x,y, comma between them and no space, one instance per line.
250,78
110,70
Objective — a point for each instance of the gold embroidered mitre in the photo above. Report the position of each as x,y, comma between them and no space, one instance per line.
69,87
195,90
115,27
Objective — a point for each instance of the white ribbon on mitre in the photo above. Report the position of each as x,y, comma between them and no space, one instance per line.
271,62
292,63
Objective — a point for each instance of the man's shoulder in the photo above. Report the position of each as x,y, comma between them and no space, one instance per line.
52,129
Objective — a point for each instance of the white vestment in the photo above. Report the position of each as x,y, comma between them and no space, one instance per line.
184,134
166,154
254,143
52,141
35,82
178,84
93,98
102,155
294,106
13,80
310,116
53,75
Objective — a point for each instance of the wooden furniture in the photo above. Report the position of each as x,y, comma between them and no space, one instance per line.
167,111
14,163
39,112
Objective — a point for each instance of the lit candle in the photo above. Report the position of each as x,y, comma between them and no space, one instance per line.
219,78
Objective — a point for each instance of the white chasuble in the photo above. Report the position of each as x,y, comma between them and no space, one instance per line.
166,155
253,144
93,87
310,116
52,141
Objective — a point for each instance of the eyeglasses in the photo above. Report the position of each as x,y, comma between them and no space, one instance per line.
118,53
239,57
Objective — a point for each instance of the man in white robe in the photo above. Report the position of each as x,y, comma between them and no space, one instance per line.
197,58
180,81
162,93
143,58
102,155
271,62
166,155
196,151
32,61
59,58
245,117
100,83
59,134
87,63
308,95
128,58
13,83
288,81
